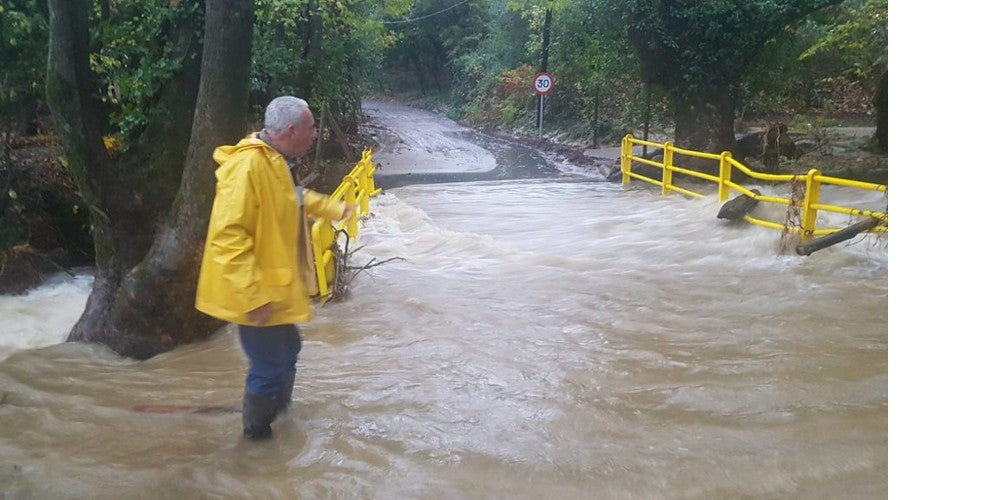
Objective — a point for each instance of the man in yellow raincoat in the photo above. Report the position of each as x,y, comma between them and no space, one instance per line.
256,270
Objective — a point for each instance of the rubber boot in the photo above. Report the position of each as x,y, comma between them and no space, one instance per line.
285,399
259,410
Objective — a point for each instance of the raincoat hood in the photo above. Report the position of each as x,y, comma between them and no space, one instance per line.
222,154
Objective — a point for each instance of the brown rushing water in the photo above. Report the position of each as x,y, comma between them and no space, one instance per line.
542,339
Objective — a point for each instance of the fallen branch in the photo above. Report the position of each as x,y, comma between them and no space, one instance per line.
345,273
834,238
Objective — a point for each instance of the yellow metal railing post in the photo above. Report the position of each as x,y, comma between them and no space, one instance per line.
668,161
809,206
626,160
725,172
370,173
319,235
351,196
363,189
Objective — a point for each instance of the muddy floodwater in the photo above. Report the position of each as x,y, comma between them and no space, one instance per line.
545,334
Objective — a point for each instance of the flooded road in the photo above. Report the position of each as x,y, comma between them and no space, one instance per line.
545,336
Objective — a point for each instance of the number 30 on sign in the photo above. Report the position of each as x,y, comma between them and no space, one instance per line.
543,83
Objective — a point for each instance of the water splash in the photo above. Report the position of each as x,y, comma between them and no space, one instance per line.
45,315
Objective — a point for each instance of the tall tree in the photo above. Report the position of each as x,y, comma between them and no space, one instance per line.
698,50
148,215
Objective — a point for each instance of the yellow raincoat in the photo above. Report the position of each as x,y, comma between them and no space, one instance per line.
255,251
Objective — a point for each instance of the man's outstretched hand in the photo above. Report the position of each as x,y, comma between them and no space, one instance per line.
349,208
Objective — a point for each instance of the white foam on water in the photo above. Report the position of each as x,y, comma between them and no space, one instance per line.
45,315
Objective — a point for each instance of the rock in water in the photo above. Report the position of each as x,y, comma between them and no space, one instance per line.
736,208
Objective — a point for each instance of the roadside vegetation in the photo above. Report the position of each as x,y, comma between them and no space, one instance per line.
698,73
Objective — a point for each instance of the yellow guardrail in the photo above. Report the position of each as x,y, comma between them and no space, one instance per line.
358,186
810,204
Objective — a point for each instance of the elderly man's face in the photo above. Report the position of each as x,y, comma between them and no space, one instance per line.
302,135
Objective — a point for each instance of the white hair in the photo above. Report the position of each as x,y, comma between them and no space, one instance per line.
282,113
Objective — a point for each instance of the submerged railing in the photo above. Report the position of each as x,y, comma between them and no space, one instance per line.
358,186
809,205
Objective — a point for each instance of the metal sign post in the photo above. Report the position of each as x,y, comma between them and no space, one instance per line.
541,114
542,85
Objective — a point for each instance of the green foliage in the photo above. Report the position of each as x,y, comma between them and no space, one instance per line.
432,37
691,46
352,44
854,40
135,57
23,48
830,62
477,72
491,80
776,56
505,99
593,62
476,50
396,9
277,47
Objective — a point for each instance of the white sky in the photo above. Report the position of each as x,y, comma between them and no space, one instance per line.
943,135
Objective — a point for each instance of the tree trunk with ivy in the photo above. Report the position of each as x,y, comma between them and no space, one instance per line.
150,202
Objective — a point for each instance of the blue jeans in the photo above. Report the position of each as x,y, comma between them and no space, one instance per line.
272,352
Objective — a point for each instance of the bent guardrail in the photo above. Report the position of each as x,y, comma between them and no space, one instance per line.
809,205
358,187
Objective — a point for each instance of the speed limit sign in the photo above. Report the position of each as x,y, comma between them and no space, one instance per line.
543,83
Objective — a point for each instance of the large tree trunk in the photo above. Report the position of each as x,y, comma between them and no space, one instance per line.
311,33
882,113
77,116
705,123
143,298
